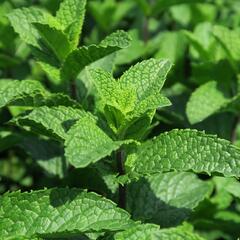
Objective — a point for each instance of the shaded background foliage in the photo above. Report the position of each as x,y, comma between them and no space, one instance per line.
205,67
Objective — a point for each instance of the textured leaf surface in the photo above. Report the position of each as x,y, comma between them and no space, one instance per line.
71,16
30,93
57,211
141,231
205,101
13,89
54,39
176,234
208,99
150,231
147,77
86,143
164,199
83,56
52,121
22,19
184,150
137,91
112,93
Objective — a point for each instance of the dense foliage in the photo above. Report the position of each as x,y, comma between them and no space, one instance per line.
120,119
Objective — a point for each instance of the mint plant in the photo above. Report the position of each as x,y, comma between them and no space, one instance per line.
102,137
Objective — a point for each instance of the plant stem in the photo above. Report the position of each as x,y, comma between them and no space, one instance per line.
121,171
73,90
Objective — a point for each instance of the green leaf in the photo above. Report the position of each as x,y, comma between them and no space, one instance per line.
138,88
205,101
208,99
47,154
22,19
134,51
71,16
197,45
176,53
136,93
231,185
111,91
229,40
83,56
8,139
147,77
163,4
50,68
164,199
55,40
176,234
184,150
51,121
55,212
140,231
30,93
86,143
150,231
11,90
109,13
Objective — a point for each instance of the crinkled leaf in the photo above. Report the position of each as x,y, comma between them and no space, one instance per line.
51,69
86,143
140,231
83,56
176,234
164,199
185,150
205,101
54,39
55,212
138,88
135,94
22,19
30,93
154,101
150,231
51,121
11,90
71,16
208,99
112,93
147,77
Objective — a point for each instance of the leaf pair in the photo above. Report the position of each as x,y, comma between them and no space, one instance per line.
135,93
226,41
55,39
60,33
30,93
71,212
85,142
